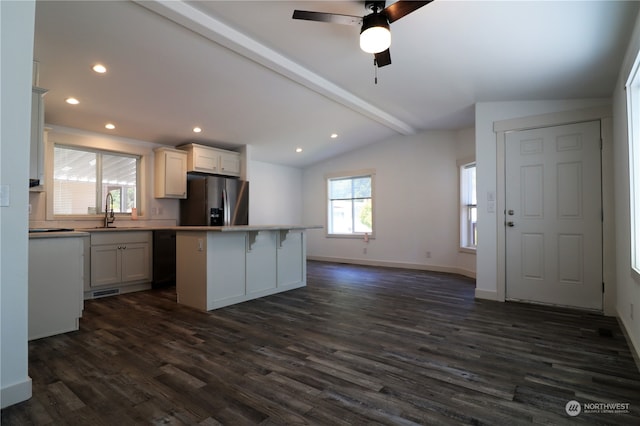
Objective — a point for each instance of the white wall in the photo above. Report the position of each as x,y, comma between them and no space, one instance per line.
486,114
415,204
275,194
628,290
16,60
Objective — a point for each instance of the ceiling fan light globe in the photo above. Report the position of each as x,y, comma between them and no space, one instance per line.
375,40
375,36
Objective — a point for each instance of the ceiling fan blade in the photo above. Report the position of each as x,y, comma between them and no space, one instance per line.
327,17
383,58
401,8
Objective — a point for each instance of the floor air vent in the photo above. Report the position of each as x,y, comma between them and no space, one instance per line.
103,293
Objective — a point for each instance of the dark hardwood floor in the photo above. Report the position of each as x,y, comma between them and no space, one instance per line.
358,345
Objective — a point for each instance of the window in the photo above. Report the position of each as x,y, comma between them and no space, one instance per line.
633,117
76,172
350,205
468,207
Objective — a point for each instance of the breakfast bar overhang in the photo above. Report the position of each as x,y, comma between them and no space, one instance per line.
218,266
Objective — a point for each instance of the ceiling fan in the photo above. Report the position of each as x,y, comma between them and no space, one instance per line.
375,36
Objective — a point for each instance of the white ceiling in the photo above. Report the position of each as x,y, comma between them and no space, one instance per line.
247,73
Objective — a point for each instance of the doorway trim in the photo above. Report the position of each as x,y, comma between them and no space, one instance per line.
605,116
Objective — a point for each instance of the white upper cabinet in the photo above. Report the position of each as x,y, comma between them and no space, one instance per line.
205,159
201,158
229,163
170,173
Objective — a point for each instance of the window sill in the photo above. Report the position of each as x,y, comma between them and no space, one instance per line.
468,250
635,275
350,236
91,217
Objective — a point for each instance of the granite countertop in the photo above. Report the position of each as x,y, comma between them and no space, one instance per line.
62,232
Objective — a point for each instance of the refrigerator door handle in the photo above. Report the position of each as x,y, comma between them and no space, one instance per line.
225,201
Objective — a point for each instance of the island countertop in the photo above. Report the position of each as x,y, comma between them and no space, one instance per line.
244,228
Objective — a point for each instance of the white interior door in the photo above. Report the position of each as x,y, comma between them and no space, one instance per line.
554,215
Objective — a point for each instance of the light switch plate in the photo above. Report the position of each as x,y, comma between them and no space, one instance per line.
5,195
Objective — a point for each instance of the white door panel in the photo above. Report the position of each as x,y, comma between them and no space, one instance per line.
554,225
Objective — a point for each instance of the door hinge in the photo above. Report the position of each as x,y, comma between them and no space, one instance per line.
603,287
601,143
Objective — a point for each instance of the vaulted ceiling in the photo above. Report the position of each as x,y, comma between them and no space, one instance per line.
246,73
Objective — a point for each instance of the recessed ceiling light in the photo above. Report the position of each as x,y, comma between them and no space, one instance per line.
334,135
72,101
109,126
298,149
99,68
197,130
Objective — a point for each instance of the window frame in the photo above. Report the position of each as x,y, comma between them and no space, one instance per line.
463,208
51,215
370,173
633,127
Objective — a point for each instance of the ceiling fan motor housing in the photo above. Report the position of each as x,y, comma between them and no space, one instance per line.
374,6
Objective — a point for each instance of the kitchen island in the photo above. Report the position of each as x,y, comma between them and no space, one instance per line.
58,264
221,266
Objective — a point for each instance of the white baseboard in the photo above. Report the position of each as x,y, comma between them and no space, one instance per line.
405,265
15,393
487,294
633,344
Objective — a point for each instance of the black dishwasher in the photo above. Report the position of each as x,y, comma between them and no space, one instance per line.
164,258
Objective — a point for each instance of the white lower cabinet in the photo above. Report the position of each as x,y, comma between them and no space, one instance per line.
56,276
119,259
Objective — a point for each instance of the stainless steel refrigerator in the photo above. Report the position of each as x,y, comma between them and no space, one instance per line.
215,201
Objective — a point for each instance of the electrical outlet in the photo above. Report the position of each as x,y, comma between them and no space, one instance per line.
364,250
428,254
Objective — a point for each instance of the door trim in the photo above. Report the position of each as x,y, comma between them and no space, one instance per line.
602,114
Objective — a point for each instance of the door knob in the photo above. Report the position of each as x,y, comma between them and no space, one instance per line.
510,224
511,212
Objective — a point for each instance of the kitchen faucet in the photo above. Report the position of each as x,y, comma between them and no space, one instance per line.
109,217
